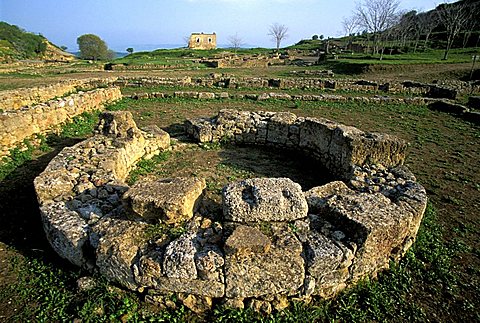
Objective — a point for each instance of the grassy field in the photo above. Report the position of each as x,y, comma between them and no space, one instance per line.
438,280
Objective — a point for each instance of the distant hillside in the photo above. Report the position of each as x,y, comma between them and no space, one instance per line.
18,44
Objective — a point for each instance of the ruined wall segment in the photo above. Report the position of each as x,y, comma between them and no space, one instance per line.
20,124
275,242
24,97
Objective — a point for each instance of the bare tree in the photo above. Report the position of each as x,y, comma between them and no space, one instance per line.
376,16
186,40
453,17
427,22
406,27
235,41
278,33
350,25
470,25
390,30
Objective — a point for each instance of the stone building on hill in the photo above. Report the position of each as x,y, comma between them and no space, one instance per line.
202,41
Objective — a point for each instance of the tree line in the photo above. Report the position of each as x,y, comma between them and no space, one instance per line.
382,22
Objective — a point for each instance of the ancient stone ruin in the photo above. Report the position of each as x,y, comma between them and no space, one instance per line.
274,243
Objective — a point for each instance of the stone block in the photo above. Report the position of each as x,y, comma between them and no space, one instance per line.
264,199
169,200
245,240
117,244
280,270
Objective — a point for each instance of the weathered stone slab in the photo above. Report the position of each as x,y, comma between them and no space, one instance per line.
264,199
170,200
278,127
245,240
117,124
280,270
117,244
373,223
66,231
317,196
327,258
191,286
156,137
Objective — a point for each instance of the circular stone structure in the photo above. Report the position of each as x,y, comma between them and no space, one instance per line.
275,241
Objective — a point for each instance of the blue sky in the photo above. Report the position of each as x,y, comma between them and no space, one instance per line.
139,23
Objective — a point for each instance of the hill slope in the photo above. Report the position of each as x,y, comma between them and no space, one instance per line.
17,44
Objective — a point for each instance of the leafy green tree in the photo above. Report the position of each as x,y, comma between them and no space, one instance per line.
315,37
129,50
93,47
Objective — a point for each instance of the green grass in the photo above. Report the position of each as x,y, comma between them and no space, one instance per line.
17,157
147,166
431,56
81,125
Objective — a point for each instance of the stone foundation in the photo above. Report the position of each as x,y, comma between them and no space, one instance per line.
20,124
446,90
24,97
336,146
274,243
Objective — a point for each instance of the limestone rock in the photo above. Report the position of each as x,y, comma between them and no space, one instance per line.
260,306
208,288
52,184
157,140
117,124
66,231
198,304
209,263
118,243
280,270
264,199
85,284
179,258
317,196
245,240
278,127
375,224
170,200
234,303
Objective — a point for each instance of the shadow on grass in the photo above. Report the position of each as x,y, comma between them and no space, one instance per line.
20,223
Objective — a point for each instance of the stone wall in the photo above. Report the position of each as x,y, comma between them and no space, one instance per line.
19,98
377,99
338,147
126,67
85,182
406,87
274,242
242,62
227,81
17,125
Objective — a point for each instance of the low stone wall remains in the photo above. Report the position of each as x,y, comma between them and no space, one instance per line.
227,81
19,98
20,124
274,242
378,99
336,146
